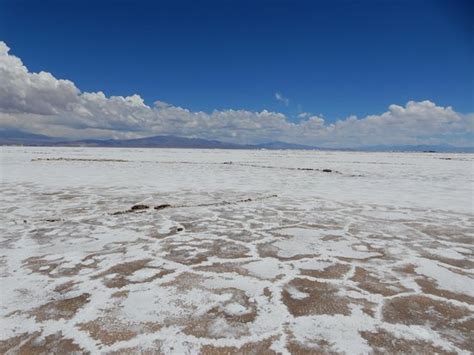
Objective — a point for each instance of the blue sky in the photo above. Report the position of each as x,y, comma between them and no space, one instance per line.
334,58
251,66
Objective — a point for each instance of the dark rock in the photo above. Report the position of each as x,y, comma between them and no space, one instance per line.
327,171
163,206
139,207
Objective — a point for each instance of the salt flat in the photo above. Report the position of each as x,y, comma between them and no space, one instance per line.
222,251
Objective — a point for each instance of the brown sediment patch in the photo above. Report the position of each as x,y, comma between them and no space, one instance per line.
185,281
459,272
120,294
256,225
39,265
321,348
467,263
40,235
321,298
8,242
154,349
367,281
53,269
199,253
452,322
223,268
335,271
262,347
185,256
312,347
240,235
383,342
451,233
230,320
366,306
268,250
407,269
430,286
12,344
326,225
27,344
65,287
58,309
107,251
109,330
331,238
267,293
68,197
121,272
370,249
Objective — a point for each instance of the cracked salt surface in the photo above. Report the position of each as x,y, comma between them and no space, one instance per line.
376,258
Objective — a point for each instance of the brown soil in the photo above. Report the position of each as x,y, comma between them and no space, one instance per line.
383,342
65,287
27,344
255,348
421,309
200,327
37,264
318,347
449,320
223,267
65,308
431,287
369,282
335,271
124,270
266,250
463,263
109,330
322,299
155,349
220,248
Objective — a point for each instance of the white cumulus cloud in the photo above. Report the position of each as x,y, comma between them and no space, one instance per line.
41,103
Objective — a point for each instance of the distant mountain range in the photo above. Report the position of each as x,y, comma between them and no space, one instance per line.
13,137
10,137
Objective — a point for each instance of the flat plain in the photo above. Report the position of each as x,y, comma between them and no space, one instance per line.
233,251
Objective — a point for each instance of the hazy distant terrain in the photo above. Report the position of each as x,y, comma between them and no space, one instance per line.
224,251
12,137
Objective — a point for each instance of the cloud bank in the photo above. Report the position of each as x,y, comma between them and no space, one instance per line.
40,103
